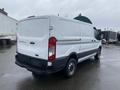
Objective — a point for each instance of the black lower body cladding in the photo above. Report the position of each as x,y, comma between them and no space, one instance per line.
83,54
40,65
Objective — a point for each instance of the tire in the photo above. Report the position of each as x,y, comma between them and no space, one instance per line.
36,75
70,68
97,56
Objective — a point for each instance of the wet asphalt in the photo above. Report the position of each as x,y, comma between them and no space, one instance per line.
90,75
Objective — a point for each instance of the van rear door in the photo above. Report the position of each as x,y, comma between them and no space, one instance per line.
33,37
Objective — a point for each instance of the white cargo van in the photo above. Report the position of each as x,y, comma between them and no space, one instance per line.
48,44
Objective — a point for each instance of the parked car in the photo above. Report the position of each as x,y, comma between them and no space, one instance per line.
48,44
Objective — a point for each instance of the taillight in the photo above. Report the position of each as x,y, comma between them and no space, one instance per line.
52,49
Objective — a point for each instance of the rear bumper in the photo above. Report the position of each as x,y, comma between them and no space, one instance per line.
40,65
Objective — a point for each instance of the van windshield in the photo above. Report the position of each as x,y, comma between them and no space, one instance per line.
33,27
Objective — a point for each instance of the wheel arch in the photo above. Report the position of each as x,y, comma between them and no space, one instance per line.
73,55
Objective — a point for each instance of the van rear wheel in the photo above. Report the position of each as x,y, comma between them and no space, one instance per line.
36,75
70,68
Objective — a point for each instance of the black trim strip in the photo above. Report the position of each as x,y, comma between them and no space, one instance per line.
74,41
64,43
83,54
69,40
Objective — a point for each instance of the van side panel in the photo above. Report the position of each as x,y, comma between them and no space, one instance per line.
87,38
67,34
72,36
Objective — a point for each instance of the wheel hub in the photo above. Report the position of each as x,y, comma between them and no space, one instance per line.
71,68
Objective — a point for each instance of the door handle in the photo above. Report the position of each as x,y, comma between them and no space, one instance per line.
93,40
32,42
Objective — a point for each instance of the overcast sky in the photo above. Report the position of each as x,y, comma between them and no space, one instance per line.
103,13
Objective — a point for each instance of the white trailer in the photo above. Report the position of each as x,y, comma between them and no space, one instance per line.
110,36
7,27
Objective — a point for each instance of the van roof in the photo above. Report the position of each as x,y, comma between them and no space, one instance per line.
52,16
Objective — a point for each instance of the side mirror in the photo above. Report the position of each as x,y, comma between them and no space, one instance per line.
97,33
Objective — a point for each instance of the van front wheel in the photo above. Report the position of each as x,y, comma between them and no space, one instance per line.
70,68
97,56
